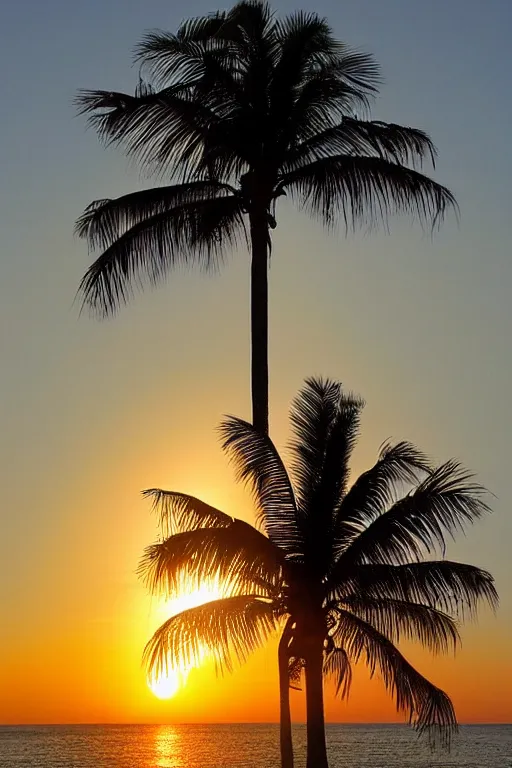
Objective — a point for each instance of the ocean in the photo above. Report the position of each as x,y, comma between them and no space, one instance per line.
255,746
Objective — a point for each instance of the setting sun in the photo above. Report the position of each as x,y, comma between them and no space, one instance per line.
170,680
166,686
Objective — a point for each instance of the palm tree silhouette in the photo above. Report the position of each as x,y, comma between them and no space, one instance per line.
341,568
240,108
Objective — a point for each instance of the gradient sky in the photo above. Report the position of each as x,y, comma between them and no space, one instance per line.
92,413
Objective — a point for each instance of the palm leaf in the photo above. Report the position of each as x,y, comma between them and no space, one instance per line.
376,489
237,555
400,144
397,143
337,666
398,619
249,23
444,503
295,669
302,40
325,422
366,190
311,417
104,221
195,232
306,43
455,588
180,512
158,128
328,487
185,57
202,29
207,65
330,81
228,629
259,465
427,707
340,442
322,100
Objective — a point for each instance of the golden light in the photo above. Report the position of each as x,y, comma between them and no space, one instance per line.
166,685
169,748
170,680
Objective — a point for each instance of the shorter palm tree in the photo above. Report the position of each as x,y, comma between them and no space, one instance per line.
340,570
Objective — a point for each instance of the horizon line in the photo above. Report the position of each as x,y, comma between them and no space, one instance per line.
241,722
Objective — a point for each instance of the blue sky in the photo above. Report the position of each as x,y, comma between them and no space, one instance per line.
421,328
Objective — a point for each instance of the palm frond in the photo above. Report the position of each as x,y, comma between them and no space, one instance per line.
235,27
316,80
159,128
195,232
337,666
339,445
184,57
228,629
311,417
180,512
443,504
359,70
332,92
305,43
376,489
202,29
325,422
399,619
208,65
329,488
237,555
322,100
258,464
427,707
302,39
295,668
104,221
455,588
366,191
397,143
250,23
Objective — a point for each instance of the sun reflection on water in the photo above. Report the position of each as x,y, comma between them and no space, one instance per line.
168,748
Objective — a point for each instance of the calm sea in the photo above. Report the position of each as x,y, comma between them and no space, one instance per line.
255,746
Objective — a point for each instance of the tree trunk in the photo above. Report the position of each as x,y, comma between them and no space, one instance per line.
316,748
259,319
285,718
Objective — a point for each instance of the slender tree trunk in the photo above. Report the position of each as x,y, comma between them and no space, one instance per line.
316,748
259,319
285,718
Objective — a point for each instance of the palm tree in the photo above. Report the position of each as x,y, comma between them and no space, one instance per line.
341,568
236,110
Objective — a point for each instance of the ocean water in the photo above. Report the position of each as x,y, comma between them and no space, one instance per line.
255,746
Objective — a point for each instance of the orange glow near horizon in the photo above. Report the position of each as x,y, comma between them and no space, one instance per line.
97,617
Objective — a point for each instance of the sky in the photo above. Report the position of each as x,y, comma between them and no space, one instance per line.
92,413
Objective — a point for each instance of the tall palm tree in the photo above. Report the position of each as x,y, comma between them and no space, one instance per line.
236,110
342,568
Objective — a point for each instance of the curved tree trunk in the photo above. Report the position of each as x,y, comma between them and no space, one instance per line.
285,718
316,749
259,319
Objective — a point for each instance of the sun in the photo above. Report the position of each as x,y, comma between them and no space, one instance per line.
167,684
